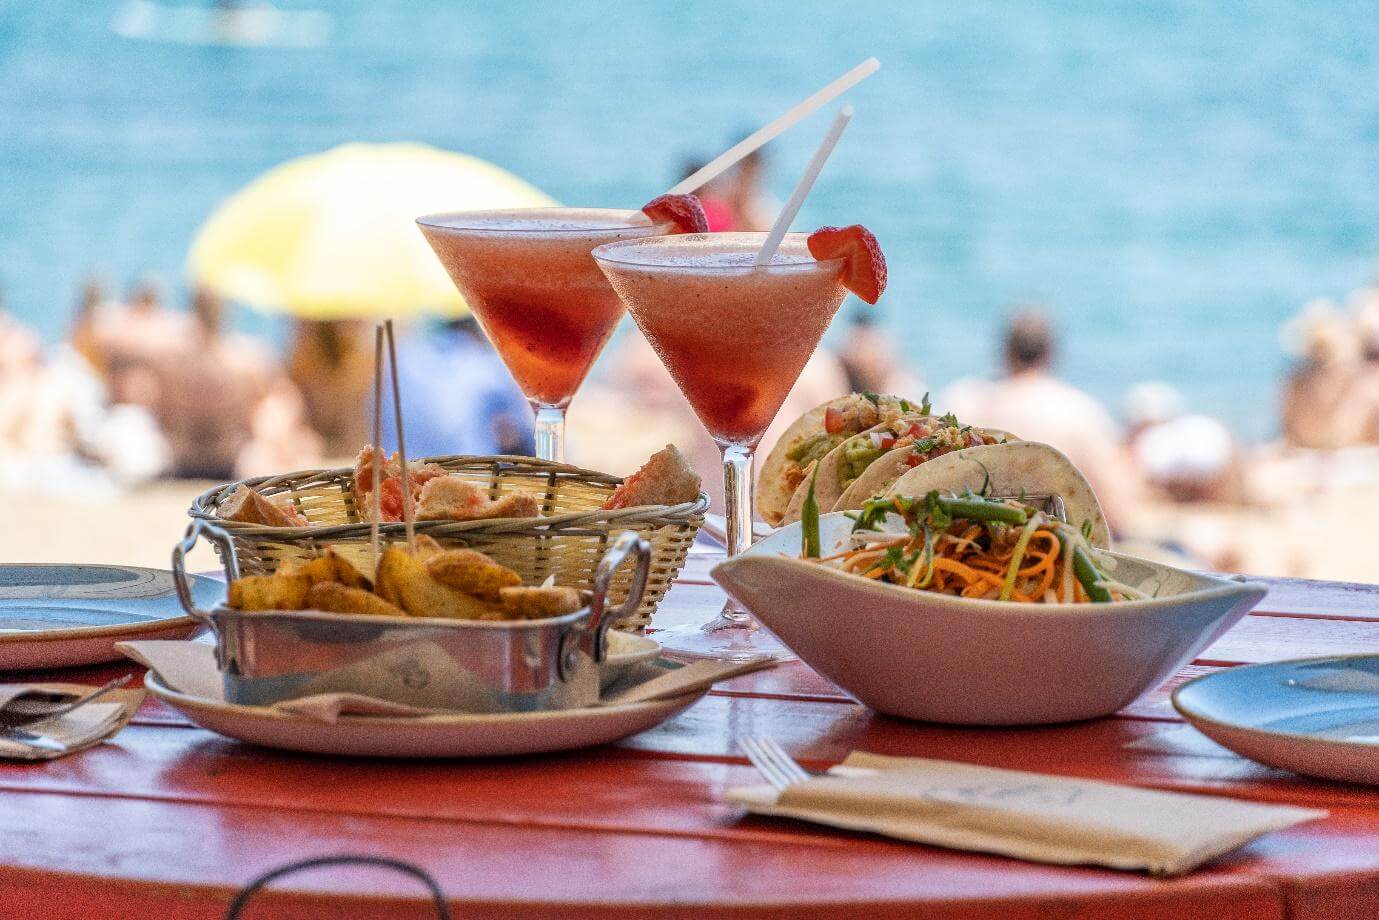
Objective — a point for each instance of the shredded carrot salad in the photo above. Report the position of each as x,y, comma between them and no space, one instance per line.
969,545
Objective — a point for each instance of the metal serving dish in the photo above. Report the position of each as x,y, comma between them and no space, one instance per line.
464,665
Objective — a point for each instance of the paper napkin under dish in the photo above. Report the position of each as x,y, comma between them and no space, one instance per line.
190,668
1030,816
82,728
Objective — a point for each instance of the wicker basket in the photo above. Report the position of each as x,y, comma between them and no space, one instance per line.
566,541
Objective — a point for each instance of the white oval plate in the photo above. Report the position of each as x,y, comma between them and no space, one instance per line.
57,616
459,735
1315,716
626,651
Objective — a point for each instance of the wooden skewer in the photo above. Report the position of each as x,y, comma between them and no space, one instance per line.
377,459
401,444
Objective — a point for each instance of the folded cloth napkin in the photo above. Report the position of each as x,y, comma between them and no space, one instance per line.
83,727
190,668
1031,816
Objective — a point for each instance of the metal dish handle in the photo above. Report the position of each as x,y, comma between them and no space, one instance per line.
601,619
221,539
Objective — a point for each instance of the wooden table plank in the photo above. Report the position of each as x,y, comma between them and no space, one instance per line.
668,779
1274,638
180,861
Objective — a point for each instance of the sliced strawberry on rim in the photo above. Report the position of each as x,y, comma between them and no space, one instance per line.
684,211
864,271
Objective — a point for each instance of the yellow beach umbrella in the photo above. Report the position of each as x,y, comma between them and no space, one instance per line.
332,235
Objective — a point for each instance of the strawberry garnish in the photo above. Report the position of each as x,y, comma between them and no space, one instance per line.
864,271
684,211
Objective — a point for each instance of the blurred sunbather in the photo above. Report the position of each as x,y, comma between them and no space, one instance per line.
1034,404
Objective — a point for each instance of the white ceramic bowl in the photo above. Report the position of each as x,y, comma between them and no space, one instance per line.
971,662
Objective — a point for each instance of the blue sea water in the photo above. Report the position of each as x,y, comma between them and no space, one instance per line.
1173,179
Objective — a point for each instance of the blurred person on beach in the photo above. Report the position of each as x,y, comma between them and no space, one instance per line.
457,396
872,362
1186,457
1323,404
83,334
714,197
736,199
59,431
1365,313
331,364
1033,403
752,205
211,392
126,342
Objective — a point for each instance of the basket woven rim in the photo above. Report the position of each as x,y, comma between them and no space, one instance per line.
684,512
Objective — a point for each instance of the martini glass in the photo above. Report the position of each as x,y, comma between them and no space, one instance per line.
526,275
734,337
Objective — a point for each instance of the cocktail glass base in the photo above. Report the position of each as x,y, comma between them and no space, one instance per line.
732,636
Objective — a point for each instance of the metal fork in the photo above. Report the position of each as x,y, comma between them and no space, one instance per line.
772,762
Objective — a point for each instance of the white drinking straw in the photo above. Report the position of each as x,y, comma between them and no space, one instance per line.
401,444
377,459
811,172
728,158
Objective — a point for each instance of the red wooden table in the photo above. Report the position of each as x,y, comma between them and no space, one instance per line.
169,820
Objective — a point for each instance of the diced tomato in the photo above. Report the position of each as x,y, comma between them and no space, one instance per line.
834,420
887,443
914,459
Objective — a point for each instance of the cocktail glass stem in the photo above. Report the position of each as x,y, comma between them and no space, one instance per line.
550,432
733,635
737,493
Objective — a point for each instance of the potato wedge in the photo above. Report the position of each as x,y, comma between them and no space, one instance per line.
330,566
427,546
335,597
269,592
472,572
403,581
539,603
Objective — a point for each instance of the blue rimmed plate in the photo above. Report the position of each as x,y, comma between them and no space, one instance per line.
56,616
1315,716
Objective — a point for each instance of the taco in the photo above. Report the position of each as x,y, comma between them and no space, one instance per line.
1021,469
813,435
901,443
893,464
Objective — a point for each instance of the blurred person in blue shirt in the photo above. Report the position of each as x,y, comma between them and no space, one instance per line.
457,397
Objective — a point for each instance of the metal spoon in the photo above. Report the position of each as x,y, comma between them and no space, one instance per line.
32,740
27,712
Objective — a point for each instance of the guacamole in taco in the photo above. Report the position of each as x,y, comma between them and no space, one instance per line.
813,435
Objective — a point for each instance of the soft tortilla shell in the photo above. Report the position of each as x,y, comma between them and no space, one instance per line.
772,495
827,485
890,466
1023,466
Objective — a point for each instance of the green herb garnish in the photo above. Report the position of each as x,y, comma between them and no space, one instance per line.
809,520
